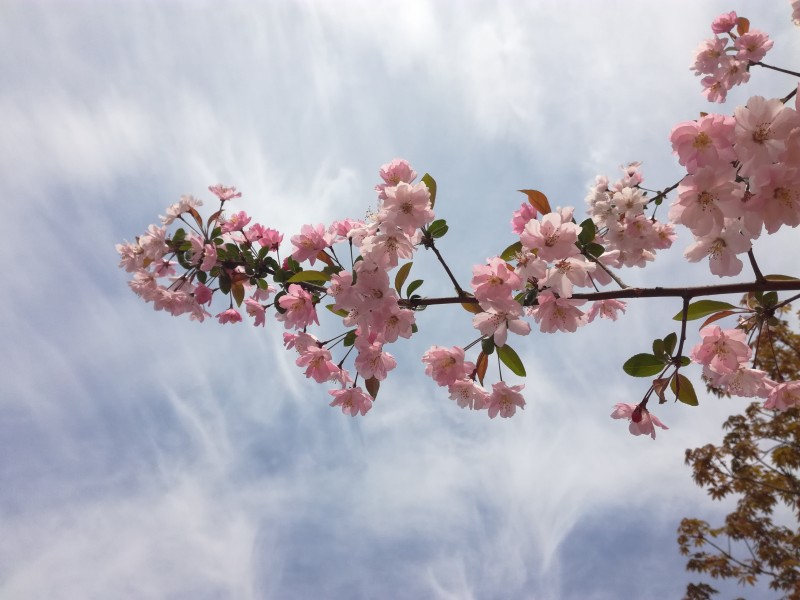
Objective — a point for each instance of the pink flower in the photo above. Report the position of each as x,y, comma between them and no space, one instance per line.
446,366
704,142
761,131
796,12
607,309
521,217
724,23
557,314
229,316
498,323
784,396
373,362
256,310
299,308
494,284
176,210
722,351
504,400
393,173
777,193
642,422
352,400
567,272
317,361
468,394
706,198
407,206
753,45
552,238
721,249
706,58
236,222
202,294
309,242
224,193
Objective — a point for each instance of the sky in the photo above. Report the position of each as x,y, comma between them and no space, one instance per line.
150,457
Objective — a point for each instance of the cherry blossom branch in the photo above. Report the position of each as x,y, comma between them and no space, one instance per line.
779,69
429,243
656,292
756,270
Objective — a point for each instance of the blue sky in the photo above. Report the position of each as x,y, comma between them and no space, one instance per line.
145,456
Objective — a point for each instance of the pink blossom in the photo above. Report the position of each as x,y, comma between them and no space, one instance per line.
521,217
777,193
498,323
352,400
131,256
256,310
707,55
317,361
784,396
761,131
557,314
707,141
153,242
301,341
224,193
607,309
494,283
387,247
715,87
796,12
393,173
468,394
753,45
265,236
407,206
236,222
202,294
724,23
745,382
185,204
567,272
504,400
396,322
721,249
299,308
552,238
706,198
446,366
309,242
722,351
229,316
373,362
642,421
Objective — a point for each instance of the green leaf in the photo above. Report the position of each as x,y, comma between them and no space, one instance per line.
511,360
669,343
202,277
350,338
658,349
414,328
224,283
431,184
309,276
511,251
770,299
685,361
595,249
438,228
339,313
487,345
402,275
684,390
179,235
588,231
413,286
780,278
701,308
643,365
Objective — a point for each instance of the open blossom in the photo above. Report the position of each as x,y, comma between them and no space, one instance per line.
707,55
224,193
309,242
494,283
255,310
318,363
721,249
557,314
373,362
407,206
522,217
236,222
393,173
504,400
468,394
352,400
707,141
553,238
706,198
176,210
744,382
446,366
777,195
299,308
642,421
753,45
567,272
784,396
762,127
497,324
722,351
606,309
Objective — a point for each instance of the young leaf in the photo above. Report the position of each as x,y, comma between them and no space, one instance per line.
224,282
237,289
481,365
431,183
658,349
511,360
511,251
770,299
643,365
438,228
701,308
684,390
309,276
339,313
538,200
717,316
472,307
487,345
412,287
669,343
595,249
779,278
742,25
372,385
349,338
588,231
402,275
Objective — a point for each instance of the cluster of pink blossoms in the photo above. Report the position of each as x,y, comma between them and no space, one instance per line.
743,176
725,61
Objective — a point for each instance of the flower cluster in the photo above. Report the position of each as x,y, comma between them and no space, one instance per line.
724,62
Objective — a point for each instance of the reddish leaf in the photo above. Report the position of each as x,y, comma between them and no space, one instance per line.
538,200
372,385
717,316
742,25
323,256
481,366
196,215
